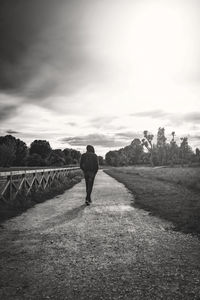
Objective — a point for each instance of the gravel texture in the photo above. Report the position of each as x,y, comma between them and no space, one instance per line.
62,249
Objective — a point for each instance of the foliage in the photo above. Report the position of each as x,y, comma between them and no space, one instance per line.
35,160
161,146
197,152
7,155
56,158
76,155
20,153
112,158
101,160
185,151
161,153
16,151
40,147
71,156
197,155
147,141
128,155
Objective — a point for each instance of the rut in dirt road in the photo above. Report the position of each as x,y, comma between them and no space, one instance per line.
61,249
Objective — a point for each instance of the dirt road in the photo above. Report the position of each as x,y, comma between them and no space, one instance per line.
61,249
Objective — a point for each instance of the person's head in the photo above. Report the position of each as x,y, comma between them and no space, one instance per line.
90,148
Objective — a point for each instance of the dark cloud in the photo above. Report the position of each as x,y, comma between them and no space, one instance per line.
41,48
128,135
94,139
10,131
7,111
21,22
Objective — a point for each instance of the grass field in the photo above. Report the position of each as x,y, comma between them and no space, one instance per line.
171,193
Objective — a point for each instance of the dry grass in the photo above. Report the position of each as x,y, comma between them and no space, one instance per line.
188,177
172,193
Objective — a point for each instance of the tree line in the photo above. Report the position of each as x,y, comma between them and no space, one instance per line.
15,152
162,152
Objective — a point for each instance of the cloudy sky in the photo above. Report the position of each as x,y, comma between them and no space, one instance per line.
99,72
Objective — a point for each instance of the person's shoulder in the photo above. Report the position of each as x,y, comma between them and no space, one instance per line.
89,154
83,155
92,154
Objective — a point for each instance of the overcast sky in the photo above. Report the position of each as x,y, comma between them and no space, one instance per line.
99,72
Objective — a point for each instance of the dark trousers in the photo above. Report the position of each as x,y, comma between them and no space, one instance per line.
89,181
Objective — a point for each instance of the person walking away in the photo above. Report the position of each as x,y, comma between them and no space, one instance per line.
89,165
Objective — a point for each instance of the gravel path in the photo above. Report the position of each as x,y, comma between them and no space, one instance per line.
61,249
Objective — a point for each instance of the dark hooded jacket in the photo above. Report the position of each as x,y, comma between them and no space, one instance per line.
89,162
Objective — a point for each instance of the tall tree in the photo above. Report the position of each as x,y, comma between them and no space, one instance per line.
161,139
161,146
68,158
100,159
112,158
134,152
56,158
185,151
40,147
173,150
147,141
7,155
35,160
17,150
72,156
21,153
76,155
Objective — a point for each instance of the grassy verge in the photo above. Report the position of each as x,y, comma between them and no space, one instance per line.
21,204
171,193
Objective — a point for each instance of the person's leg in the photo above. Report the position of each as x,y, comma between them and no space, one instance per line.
90,185
86,184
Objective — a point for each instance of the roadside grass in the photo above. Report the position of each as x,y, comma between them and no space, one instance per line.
171,193
188,177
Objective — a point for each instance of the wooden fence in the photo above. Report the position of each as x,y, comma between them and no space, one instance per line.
16,183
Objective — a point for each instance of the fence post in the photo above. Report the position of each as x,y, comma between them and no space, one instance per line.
24,183
10,187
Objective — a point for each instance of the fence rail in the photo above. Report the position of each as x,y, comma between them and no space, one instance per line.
23,182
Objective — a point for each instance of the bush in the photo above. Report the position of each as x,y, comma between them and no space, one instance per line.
35,160
7,155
